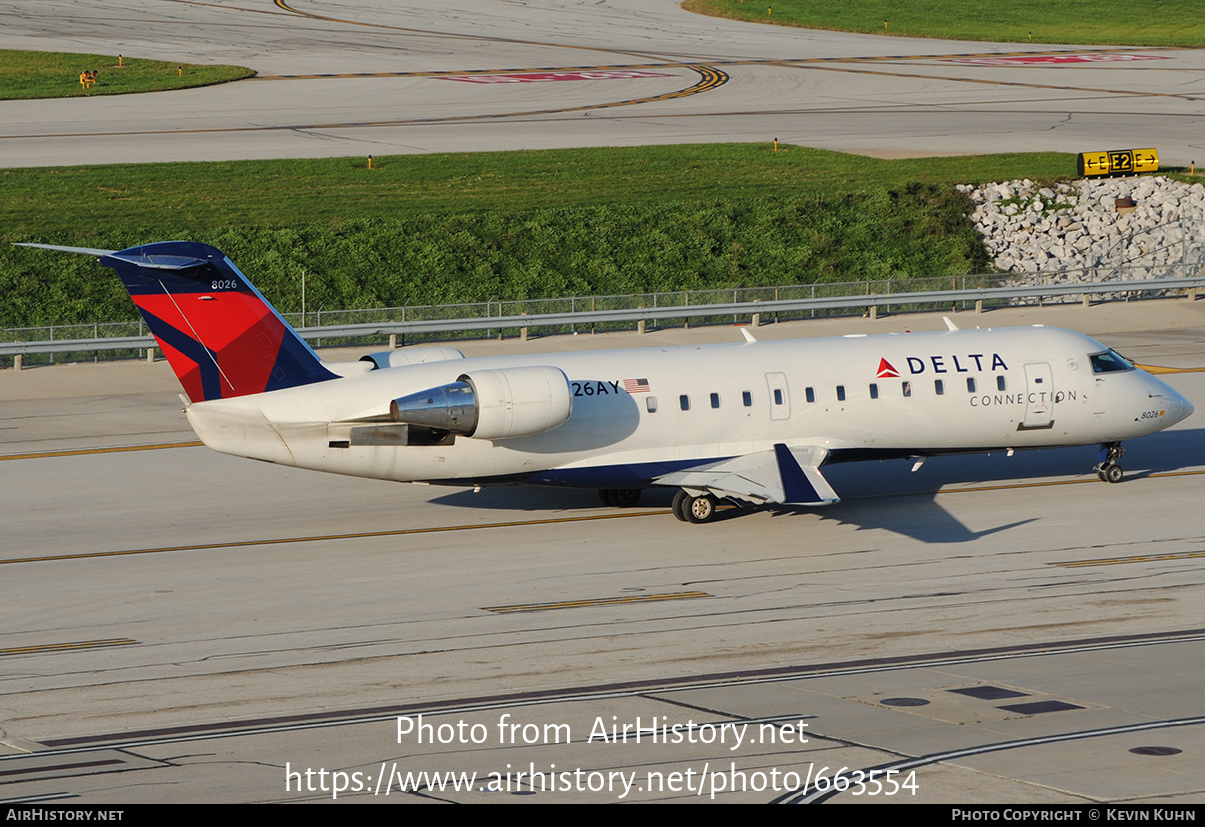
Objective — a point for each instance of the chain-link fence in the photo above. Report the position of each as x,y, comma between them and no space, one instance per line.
587,314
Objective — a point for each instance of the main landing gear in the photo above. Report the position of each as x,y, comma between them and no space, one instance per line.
620,497
1107,469
691,509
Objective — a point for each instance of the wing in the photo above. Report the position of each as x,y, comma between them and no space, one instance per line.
783,475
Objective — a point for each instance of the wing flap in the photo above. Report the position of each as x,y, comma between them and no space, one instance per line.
790,476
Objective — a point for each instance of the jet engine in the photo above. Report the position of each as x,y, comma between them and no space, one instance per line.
411,356
491,404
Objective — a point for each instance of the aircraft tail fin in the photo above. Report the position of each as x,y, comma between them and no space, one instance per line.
220,335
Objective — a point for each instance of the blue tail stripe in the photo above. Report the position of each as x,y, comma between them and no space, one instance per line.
206,359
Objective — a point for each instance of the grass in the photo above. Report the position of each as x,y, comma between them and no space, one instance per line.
29,75
1099,22
440,229
95,201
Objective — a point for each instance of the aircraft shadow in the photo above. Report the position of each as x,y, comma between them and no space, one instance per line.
884,494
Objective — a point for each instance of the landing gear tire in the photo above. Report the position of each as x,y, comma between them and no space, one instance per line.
1107,469
680,505
626,497
699,509
620,497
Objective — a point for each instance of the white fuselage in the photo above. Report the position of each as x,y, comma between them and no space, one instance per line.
920,393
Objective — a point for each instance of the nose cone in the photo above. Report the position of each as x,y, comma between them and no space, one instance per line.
1173,407
1177,407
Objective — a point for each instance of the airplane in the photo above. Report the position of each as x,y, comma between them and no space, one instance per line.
747,422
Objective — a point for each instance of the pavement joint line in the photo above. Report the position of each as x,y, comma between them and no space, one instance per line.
598,601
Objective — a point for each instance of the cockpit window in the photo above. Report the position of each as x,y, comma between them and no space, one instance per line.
1109,362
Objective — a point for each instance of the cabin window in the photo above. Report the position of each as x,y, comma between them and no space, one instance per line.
778,396
1000,383
907,386
715,400
840,393
810,394
650,404
939,387
684,402
970,384
747,398
874,391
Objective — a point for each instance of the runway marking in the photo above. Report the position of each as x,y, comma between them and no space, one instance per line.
1156,370
709,78
66,647
1055,59
38,798
457,74
53,768
546,77
401,532
1022,84
598,601
803,62
1141,558
120,449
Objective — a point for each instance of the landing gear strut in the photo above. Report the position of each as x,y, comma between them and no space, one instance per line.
691,509
1107,469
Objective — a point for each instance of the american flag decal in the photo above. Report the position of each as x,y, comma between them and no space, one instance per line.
636,385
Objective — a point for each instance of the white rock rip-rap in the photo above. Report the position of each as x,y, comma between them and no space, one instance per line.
1069,226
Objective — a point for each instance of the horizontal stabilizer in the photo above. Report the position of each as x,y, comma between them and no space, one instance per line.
145,261
782,475
138,257
86,251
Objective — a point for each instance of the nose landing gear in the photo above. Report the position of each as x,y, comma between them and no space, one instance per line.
1107,469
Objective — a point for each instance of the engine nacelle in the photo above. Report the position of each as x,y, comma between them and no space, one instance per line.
520,401
411,356
492,404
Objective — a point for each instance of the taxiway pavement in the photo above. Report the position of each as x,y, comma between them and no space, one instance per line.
345,79
180,625
183,626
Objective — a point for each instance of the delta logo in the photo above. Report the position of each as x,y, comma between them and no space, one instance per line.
886,371
968,363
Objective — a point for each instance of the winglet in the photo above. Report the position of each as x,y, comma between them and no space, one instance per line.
803,484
